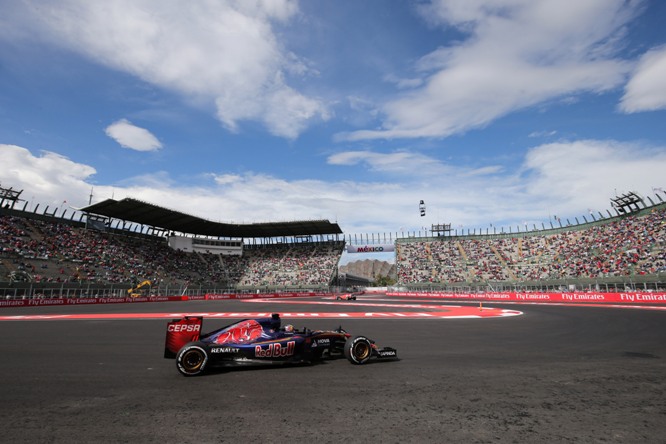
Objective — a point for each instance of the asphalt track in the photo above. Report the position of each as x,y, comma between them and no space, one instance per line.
553,374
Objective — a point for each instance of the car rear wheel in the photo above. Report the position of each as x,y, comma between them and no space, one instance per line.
192,359
358,350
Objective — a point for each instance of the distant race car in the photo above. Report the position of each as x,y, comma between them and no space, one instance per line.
261,341
349,296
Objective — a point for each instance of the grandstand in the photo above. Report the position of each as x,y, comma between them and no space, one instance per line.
623,252
111,246
45,254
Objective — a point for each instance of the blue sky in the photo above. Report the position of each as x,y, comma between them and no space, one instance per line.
499,112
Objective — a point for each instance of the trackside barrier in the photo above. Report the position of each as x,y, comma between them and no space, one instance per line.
92,301
568,298
635,298
213,297
41,302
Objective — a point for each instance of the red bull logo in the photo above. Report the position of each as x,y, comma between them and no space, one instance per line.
275,350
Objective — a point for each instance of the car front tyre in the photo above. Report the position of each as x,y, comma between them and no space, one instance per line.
358,350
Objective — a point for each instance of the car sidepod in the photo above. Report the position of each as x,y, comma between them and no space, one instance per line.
283,350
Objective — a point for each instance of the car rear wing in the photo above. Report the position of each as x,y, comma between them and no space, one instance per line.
180,332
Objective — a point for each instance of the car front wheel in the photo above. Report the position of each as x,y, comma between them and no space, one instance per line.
358,350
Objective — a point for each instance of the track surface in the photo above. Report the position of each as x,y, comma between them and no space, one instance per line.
554,374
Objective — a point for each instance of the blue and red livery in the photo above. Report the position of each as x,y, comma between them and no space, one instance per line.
261,341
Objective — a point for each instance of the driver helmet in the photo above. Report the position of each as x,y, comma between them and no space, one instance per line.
288,328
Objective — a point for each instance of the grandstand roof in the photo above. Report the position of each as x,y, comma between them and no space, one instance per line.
152,215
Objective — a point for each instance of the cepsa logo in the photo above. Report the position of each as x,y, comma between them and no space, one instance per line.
275,350
178,328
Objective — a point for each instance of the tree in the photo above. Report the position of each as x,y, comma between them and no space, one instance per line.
383,281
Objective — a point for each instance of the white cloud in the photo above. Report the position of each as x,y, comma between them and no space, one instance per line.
224,53
400,162
288,112
133,137
592,170
403,83
646,90
564,178
539,134
516,54
225,179
46,178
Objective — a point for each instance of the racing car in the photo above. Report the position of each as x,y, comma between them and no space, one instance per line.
349,296
262,341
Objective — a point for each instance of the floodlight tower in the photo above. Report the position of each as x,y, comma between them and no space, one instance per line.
10,195
627,203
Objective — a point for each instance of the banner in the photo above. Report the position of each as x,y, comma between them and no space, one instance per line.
213,297
571,298
381,248
42,302
127,300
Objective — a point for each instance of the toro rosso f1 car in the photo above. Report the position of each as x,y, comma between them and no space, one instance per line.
262,341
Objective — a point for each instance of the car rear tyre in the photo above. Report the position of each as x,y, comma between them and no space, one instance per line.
192,359
358,350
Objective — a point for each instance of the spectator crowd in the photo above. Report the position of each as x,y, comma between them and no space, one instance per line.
54,251
632,245
45,251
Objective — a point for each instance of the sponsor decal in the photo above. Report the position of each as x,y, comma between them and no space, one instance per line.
385,248
81,301
532,297
650,297
583,297
319,342
10,303
387,353
224,350
32,302
276,350
177,328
